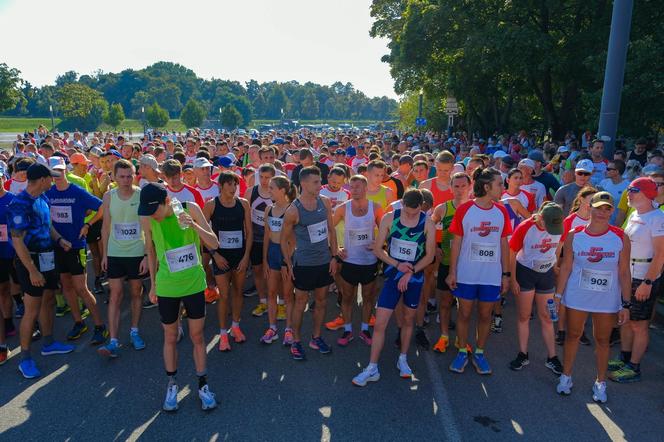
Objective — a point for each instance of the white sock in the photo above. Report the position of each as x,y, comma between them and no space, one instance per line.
348,327
372,367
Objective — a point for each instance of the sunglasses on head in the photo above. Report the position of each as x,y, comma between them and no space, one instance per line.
584,173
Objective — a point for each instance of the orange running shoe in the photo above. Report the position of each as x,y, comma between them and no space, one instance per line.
336,323
224,344
211,295
237,334
372,320
441,345
469,348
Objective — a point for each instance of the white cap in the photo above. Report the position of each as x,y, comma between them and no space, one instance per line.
563,149
585,166
150,161
201,162
527,162
499,154
57,163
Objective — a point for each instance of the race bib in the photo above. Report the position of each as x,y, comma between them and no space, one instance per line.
61,214
275,224
317,232
46,261
359,238
403,250
4,237
127,231
231,239
542,266
480,252
596,280
181,258
258,217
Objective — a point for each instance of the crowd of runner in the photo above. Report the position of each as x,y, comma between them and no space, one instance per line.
428,228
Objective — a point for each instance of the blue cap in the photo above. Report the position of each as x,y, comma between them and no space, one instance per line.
225,162
333,143
115,152
278,141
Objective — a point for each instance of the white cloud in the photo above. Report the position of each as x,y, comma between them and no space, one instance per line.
282,40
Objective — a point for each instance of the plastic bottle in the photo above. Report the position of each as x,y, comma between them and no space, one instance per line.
176,205
551,306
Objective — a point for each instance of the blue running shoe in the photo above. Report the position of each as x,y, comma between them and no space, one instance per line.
208,399
171,401
296,351
20,311
109,350
28,369
320,345
56,348
459,363
136,341
481,364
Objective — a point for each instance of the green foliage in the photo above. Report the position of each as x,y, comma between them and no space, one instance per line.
10,91
115,115
193,113
157,116
522,63
81,107
230,117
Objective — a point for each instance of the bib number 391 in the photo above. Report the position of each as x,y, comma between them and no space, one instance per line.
181,258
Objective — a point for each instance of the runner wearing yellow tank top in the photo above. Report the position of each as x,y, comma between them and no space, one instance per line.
376,192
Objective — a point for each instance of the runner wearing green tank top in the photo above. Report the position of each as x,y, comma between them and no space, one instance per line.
178,278
123,254
443,214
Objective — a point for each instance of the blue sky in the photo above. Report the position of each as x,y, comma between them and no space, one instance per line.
305,40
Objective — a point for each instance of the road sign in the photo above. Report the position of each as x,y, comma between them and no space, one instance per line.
420,121
451,106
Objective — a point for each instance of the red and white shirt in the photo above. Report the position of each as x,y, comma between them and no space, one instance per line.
572,222
526,199
357,161
187,193
15,186
209,193
336,198
482,231
537,189
535,247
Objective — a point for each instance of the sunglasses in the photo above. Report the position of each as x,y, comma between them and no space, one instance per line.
583,173
608,169
633,190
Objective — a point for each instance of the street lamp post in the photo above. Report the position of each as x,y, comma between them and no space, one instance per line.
50,109
282,118
220,126
419,111
143,119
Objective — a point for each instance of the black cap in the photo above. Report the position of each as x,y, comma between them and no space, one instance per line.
37,170
152,195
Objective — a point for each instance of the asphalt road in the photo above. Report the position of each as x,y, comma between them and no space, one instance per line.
267,396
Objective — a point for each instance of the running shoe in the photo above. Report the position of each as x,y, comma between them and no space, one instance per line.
372,320
269,336
599,392
136,340
564,385
99,336
345,338
28,369
77,331
404,370
208,399
288,338
497,324
481,364
459,363
110,350
520,361
251,291
211,295
366,376
560,337
335,324
281,312
625,375
237,334
56,348
36,334
365,336
441,344
85,313
615,337
421,339
20,311
297,351
60,311
554,365
171,401
98,288
320,345
4,354
260,310
224,342
616,364
584,339
431,308
147,304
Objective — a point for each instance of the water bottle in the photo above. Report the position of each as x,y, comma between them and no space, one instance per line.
551,306
176,205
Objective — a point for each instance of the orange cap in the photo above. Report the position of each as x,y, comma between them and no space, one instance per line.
78,158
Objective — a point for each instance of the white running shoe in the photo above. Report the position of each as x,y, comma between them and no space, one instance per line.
171,401
565,385
366,376
599,392
208,400
404,370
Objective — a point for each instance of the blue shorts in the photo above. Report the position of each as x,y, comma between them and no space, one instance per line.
275,259
480,292
389,296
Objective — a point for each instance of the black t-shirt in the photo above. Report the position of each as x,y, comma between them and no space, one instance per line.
324,171
641,158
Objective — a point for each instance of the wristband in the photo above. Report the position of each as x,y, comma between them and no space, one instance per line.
507,274
626,304
337,259
558,296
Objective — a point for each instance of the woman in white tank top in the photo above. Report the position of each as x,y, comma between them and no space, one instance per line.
594,279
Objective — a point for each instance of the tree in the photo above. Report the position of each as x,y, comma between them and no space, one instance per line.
310,106
115,115
156,116
10,87
276,101
192,114
81,107
230,117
